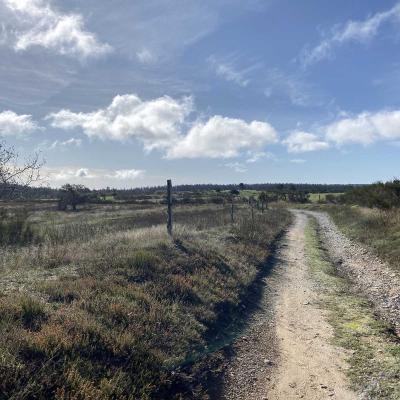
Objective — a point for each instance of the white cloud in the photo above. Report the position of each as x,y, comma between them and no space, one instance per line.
66,174
365,128
237,166
222,137
156,123
12,124
161,123
226,70
127,174
35,23
145,56
72,142
83,173
300,142
356,31
91,176
254,156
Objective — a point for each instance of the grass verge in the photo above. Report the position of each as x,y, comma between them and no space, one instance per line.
140,316
374,353
377,230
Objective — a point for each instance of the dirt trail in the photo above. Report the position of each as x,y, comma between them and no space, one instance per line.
304,364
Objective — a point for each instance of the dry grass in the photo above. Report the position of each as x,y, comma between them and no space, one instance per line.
120,313
378,229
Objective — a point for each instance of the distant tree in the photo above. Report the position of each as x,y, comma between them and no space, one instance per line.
378,195
72,195
234,192
241,186
16,173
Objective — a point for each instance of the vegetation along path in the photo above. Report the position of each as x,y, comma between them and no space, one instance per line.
315,335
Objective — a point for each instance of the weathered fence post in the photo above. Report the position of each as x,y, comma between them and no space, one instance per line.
169,205
232,218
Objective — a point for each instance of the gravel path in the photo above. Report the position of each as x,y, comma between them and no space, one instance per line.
286,352
368,273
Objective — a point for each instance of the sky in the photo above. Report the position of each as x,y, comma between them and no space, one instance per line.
129,93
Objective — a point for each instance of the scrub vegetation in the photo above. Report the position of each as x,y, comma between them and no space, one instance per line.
102,303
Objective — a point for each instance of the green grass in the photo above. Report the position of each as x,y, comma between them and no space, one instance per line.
316,197
137,316
375,353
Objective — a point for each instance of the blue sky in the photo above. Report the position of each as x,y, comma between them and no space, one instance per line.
128,94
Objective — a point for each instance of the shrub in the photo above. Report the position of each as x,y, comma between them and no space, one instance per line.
379,195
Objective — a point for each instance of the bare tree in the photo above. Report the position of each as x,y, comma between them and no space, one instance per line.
14,172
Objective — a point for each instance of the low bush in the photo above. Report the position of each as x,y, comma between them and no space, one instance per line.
380,195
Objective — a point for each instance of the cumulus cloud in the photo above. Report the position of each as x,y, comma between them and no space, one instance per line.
162,124
12,124
35,23
365,128
83,173
351,31
222,137
68,174
300,142
156,123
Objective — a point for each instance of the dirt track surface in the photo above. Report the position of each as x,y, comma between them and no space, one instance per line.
302,362
369,275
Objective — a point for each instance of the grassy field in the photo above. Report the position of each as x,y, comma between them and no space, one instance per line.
102,303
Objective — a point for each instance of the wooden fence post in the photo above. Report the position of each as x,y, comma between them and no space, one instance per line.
232,218
169,205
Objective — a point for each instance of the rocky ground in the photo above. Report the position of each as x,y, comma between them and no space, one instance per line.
368,273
